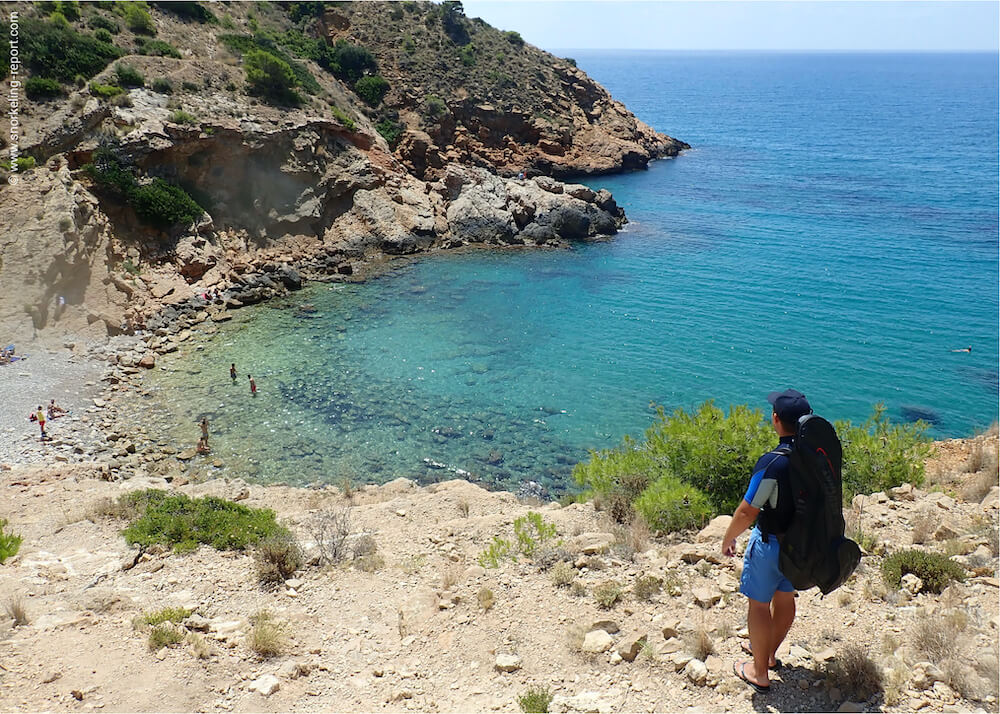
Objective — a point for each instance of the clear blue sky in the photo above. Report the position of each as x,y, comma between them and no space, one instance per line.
710,25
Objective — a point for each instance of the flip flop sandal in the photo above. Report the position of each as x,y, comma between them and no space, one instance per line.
746,648
738,671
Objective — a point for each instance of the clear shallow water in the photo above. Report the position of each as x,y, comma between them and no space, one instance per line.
834,229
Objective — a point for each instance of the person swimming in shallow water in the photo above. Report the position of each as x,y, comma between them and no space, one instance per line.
964,349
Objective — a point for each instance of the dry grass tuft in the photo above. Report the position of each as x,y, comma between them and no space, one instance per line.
486,598
15,609
924,524
608,593
451,575
463,509
854,673
933,639
976,488
699,644
266,637
724,630
199,646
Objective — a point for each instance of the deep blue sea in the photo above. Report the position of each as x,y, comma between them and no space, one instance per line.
834,229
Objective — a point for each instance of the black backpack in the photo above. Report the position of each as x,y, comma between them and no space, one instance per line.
814,551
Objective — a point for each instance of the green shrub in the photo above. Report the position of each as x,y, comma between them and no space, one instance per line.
9,542
129,76
531,531
341,116
570,61
163,86
60,52
182,117
138,19
268,42
167,614
164,636
158,48
934,569
351,62
514,38
164,204
535,701
189,86
562,574
434,106
266,637
391,131
69,9
371,89
22,163
103,35
270,77
99,22
41,88
671,505
879,455
105,91
184,523
467,55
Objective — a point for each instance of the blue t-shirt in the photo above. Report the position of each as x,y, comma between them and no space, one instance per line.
763,489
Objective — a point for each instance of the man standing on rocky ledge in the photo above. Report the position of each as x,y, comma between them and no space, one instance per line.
771,597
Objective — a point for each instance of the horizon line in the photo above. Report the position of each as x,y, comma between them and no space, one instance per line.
775,49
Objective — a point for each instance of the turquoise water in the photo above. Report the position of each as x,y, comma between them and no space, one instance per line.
834,229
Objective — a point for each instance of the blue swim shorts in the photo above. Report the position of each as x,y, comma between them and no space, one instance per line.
761,577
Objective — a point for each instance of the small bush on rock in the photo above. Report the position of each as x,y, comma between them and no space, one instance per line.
562,574
277,558
372,89
99,22
608,593
163,86
646,587
182,117
535,701
158,48
391,131
166,635
934,569
486,598
129,76
9,542
167,614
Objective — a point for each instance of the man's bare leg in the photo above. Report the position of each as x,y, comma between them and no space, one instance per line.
760,625
782,615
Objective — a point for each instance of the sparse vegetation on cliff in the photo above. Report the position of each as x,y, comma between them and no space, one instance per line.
57,51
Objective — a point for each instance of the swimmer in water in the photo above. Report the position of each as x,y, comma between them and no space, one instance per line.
964,349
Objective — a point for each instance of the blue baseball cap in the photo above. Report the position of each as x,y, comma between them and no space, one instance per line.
789,405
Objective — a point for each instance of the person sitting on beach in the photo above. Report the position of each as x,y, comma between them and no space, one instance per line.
203,447
55,410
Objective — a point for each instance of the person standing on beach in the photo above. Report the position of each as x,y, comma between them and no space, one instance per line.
253,385
771,597
40,416
232,372
204,429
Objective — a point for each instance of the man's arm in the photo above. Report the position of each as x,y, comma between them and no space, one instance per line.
744,515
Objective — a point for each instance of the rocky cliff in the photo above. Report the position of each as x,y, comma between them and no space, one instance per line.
187,165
